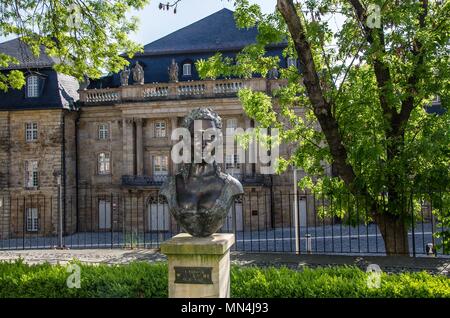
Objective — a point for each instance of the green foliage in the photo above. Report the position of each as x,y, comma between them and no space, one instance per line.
141,279
87,37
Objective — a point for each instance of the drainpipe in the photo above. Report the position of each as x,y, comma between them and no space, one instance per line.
77,176
63,170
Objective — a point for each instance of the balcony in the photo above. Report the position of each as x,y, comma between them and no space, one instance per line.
143,181
176,91
157,181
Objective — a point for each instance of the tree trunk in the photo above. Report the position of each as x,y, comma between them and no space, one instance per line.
394,230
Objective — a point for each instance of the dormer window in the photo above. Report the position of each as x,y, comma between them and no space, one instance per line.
187,69
32,86
291,62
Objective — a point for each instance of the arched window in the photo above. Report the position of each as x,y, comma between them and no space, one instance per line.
32,86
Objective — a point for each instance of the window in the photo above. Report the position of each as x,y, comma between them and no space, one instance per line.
32,219
291,62
160,129
31,174
160,165
436,100
232,123
232,162
31,132
103,131
187,69
104,214
104,163
32,86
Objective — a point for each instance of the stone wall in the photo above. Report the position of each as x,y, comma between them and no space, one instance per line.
47,150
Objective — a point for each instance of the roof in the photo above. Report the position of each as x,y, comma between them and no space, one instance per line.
19,50
216,32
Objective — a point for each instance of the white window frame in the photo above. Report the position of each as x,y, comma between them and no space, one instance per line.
104,163
160,165
31,131
232,123
32,219
160,129
232,162
291,61
31,174
32,86
103,131
187,69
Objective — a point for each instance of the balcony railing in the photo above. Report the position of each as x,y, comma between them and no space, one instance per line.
143,181
155,181
259,179
172,91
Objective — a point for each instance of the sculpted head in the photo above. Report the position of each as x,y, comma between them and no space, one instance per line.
200,122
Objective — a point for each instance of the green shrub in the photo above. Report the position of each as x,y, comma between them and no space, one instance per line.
135,280
331,282
141,279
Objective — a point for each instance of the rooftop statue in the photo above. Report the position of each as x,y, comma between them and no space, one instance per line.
273,74
173,72
138,74
124,76
200,195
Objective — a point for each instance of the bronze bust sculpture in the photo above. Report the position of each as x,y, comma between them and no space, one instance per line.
200,196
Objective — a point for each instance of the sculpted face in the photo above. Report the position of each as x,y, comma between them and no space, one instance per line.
200,140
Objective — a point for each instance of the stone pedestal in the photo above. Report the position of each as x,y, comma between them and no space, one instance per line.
199,267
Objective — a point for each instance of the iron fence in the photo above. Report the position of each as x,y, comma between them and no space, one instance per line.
263,221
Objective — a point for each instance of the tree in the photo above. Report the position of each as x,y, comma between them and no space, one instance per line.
366,83
86,36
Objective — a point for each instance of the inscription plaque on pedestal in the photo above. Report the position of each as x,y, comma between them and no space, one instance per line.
193,275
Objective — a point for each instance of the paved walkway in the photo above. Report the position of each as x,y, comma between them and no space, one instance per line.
123,256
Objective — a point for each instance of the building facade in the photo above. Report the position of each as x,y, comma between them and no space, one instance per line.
102,152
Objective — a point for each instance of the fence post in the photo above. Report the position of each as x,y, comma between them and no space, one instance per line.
60,216
296,224
413,225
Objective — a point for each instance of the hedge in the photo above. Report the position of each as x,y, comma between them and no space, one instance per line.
140,279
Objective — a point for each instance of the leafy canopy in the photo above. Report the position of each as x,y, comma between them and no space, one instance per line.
344,60
87,36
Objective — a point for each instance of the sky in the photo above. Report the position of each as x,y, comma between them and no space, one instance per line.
155,23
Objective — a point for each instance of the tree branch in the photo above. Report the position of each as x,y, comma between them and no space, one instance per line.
322,108
382,72
399,120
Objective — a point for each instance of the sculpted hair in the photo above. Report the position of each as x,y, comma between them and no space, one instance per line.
202,114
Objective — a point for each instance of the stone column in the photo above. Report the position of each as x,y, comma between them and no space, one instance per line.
128,142
139,148
199,267
248,171
174,125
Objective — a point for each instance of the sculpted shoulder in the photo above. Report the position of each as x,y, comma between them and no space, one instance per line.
235,186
